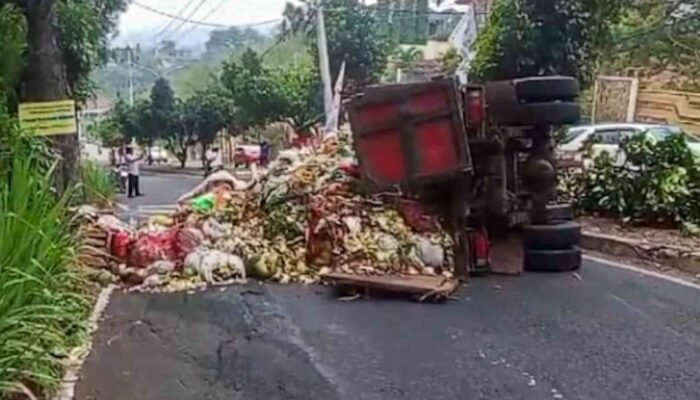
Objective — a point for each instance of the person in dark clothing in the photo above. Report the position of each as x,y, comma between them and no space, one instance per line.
264,153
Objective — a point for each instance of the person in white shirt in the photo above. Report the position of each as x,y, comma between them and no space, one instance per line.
132,163
214,160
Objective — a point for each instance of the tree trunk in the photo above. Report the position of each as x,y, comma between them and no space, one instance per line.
45,79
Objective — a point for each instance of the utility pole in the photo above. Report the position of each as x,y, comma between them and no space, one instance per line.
324,64
130,60
130,56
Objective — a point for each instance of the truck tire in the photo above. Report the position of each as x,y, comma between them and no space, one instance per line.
538,114
553,214
553,260
547,88
551,237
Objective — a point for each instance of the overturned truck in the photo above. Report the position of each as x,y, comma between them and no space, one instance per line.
484,154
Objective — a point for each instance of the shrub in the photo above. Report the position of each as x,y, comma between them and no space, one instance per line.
658,184
43,305
97,186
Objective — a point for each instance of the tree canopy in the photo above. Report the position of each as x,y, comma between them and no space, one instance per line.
530,37
660,36
354,35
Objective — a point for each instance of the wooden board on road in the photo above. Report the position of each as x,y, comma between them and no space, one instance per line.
421,285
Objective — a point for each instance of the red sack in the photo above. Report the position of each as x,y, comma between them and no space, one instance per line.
186,240
417,217
120,244
152,247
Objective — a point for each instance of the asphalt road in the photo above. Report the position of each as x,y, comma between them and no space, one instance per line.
604,334
161,189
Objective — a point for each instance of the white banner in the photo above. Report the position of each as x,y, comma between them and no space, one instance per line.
334,114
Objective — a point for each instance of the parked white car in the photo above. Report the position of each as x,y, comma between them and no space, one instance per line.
608,137
158,154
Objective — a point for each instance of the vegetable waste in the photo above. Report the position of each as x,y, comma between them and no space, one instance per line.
309,214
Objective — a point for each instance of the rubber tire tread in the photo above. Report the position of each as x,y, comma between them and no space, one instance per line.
551,237
553,260
553,214
539,114
547,88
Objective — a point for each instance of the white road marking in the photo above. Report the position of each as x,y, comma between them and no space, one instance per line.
643,271
628,305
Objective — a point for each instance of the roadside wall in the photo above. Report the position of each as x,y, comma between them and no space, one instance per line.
672,107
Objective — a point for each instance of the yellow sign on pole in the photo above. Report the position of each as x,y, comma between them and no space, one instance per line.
48,118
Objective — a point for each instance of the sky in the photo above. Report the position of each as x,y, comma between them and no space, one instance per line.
140,25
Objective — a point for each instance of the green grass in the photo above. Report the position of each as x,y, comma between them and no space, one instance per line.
97,186
43,301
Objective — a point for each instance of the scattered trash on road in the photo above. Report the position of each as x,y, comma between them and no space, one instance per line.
309,214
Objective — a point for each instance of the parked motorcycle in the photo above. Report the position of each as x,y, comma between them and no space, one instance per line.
120,178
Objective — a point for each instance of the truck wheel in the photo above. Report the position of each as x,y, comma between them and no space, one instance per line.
551,237
553,214
553,260
547,88
538,114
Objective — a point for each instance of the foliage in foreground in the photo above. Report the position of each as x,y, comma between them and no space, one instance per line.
97,187
42,307
659,184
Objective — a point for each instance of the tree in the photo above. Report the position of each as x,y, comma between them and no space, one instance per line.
353,33
250,86
135,121
660,36
183,135
66,40
531,37
407,56
12,47
451,61
162,112
299,96
167,47
232,39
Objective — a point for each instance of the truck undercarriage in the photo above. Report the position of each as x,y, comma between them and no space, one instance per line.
484,153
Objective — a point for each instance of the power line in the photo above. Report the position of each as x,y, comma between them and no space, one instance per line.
192,14
203,23
209,14
171,21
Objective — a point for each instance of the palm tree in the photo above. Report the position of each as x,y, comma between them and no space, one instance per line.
298,18
406,56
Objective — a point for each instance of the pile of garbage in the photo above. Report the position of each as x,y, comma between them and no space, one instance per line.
308,215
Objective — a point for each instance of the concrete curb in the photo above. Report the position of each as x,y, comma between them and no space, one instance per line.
79,354
680,258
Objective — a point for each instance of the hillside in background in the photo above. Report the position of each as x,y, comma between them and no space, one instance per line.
188,75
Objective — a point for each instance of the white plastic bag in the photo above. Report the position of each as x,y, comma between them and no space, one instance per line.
432,255
206,263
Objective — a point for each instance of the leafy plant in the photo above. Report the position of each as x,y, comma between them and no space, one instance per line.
97,186
659,183
531,37
43,304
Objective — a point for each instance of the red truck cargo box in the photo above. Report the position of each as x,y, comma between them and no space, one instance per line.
409,133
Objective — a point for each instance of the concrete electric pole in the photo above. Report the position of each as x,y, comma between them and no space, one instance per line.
324,64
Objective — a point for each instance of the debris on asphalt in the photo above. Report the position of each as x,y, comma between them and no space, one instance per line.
308,215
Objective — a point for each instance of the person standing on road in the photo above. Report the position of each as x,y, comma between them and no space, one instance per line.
264,153
214,160
132,162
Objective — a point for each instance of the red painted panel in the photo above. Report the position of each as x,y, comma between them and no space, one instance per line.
429,102
437,148
378,114
383,157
